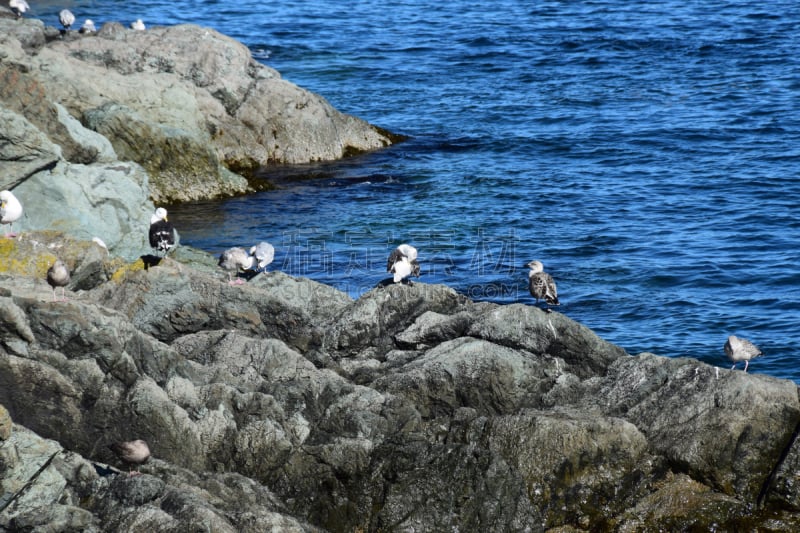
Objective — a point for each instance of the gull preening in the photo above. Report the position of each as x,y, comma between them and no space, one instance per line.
66,18
138,25
264,254
10,211
403,263
58,276
19,7
162,232
235,260
132,453
88,27
741,350
541,284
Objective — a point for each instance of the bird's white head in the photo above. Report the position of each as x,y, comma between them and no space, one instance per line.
536,267
409,251
161,214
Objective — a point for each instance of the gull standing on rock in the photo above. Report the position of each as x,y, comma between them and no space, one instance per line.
740,350
138,25
10,210
132,453
163,236
236,260
58,276
66,18
403,263
264,254
88,27
19,7
541,284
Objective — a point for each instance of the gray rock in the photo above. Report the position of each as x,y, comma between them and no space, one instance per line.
202,92
5,424
28,32
24,149
108,201
412,408
91,141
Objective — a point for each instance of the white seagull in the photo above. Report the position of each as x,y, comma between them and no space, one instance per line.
138,25
66,18
10,210
19,7
403,263
88,27
541,284
162,232
740,350
264,254
236,260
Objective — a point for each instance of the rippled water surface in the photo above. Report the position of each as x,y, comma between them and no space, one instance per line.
647,152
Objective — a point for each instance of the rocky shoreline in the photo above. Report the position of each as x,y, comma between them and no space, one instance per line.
285,405
189,105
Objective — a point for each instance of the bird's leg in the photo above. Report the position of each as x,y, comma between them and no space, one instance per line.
745,365
63,294
54,294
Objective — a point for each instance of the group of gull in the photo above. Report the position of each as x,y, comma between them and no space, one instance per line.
66,18
402,264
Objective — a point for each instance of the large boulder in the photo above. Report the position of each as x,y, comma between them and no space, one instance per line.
191,105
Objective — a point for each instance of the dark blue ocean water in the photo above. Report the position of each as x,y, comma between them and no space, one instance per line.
647,152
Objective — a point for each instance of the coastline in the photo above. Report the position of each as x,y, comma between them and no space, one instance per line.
286,404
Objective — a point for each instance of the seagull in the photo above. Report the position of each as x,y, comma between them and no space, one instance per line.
235,260
541,284
88,27
58,276
403,263
138,25
66,18
10,210
264,253
134,452
740,350
162,232
19,7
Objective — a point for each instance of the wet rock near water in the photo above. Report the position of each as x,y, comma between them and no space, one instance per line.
188,104
285,404
96,128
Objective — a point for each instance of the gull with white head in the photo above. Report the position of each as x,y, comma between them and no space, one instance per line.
402,263
10,210
162,234
66,18
19,7
541,284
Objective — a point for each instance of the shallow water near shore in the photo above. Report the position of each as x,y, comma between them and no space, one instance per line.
647,154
